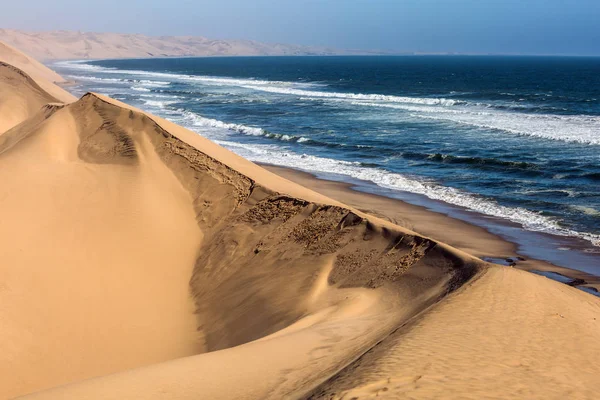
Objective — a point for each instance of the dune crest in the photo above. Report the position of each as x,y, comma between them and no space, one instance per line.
20,97
146,262
42,75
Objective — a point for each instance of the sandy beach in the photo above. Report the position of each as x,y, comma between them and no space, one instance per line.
143,261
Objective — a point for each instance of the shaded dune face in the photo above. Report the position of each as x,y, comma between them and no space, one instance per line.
146,249
258,267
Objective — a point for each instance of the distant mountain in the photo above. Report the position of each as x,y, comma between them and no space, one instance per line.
57,45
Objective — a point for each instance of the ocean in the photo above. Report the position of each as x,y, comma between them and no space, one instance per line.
508,143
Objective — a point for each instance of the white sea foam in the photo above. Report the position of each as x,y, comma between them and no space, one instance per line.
586,210
567,128
199,121
355,96
152,83
159,96
213,80
145,82
278,87
194,121
95,78
574,128
159,103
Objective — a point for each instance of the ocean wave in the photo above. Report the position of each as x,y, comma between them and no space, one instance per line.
194,121
199,121
576,129
356,96
277,87
478,161
214,80
158,96
150,82
159,103
530,220
550,192
594,176
568,128
92,78
145,82
586,210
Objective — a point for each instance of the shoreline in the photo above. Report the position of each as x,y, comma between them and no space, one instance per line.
245,284
567,248
473,239
424,219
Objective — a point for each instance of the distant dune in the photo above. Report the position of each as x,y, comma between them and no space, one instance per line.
142,261
64,45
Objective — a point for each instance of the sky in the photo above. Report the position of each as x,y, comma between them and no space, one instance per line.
428,26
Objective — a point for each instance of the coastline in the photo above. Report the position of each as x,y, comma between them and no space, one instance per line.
245,284
419,217
471,238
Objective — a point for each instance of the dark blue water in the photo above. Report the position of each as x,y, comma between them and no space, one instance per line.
510,138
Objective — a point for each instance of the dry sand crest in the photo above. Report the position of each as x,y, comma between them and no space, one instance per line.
160,265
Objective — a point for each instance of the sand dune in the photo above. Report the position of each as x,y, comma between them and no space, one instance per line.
143,261
118,213
20,97
89,45
508,334
135,212
43,76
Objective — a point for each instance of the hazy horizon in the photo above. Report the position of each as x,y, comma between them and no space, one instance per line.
548,27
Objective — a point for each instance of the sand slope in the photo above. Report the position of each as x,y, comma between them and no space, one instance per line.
160,265
42,75
20,97
509,334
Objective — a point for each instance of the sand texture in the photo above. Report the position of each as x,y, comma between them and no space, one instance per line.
142,261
